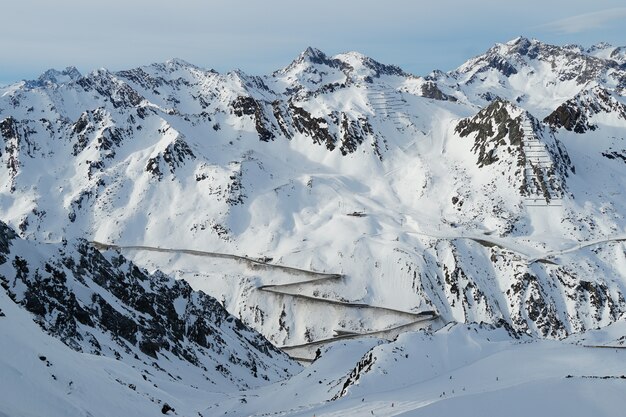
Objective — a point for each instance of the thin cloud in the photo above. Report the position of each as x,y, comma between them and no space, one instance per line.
585,22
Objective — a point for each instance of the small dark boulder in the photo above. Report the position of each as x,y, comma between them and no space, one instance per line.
166,409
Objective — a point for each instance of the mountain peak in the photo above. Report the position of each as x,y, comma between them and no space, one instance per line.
312,52
517,40
522,45
600,46
312,56
54,76
308,58
178,63
518,46
520,41
579,113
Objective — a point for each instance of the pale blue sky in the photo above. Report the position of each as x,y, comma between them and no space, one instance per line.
261,36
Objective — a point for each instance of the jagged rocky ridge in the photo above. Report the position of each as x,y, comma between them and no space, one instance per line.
107,306
500,131
506,69
173,155
576,114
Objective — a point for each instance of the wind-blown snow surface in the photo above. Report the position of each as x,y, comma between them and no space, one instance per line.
420,191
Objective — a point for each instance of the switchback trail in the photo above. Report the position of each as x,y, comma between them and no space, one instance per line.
275,289
415,318
419,318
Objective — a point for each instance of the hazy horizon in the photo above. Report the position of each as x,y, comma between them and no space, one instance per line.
260,38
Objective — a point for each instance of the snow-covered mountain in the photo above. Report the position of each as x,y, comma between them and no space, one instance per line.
94,334
537,76
377,201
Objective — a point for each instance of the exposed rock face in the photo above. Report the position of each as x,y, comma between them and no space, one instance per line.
53,76
494,127
315,127
117,92
362,367
251,107
577,114
571,118
431,90
503,134
619,155
510,58
12,139
173,156
108,306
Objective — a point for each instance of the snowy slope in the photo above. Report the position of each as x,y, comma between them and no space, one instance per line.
461,194
459,370
95,336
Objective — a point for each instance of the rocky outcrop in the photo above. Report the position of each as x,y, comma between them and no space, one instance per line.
315,127
12,140
173,156
353,133
495,129
250,107
430,89
108,306
577,114
117,92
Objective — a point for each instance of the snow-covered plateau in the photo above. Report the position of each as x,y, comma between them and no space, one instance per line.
337,238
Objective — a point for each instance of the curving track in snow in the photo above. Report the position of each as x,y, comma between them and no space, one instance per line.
524,252
299,351
254,263
581,245
416,320
484,240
